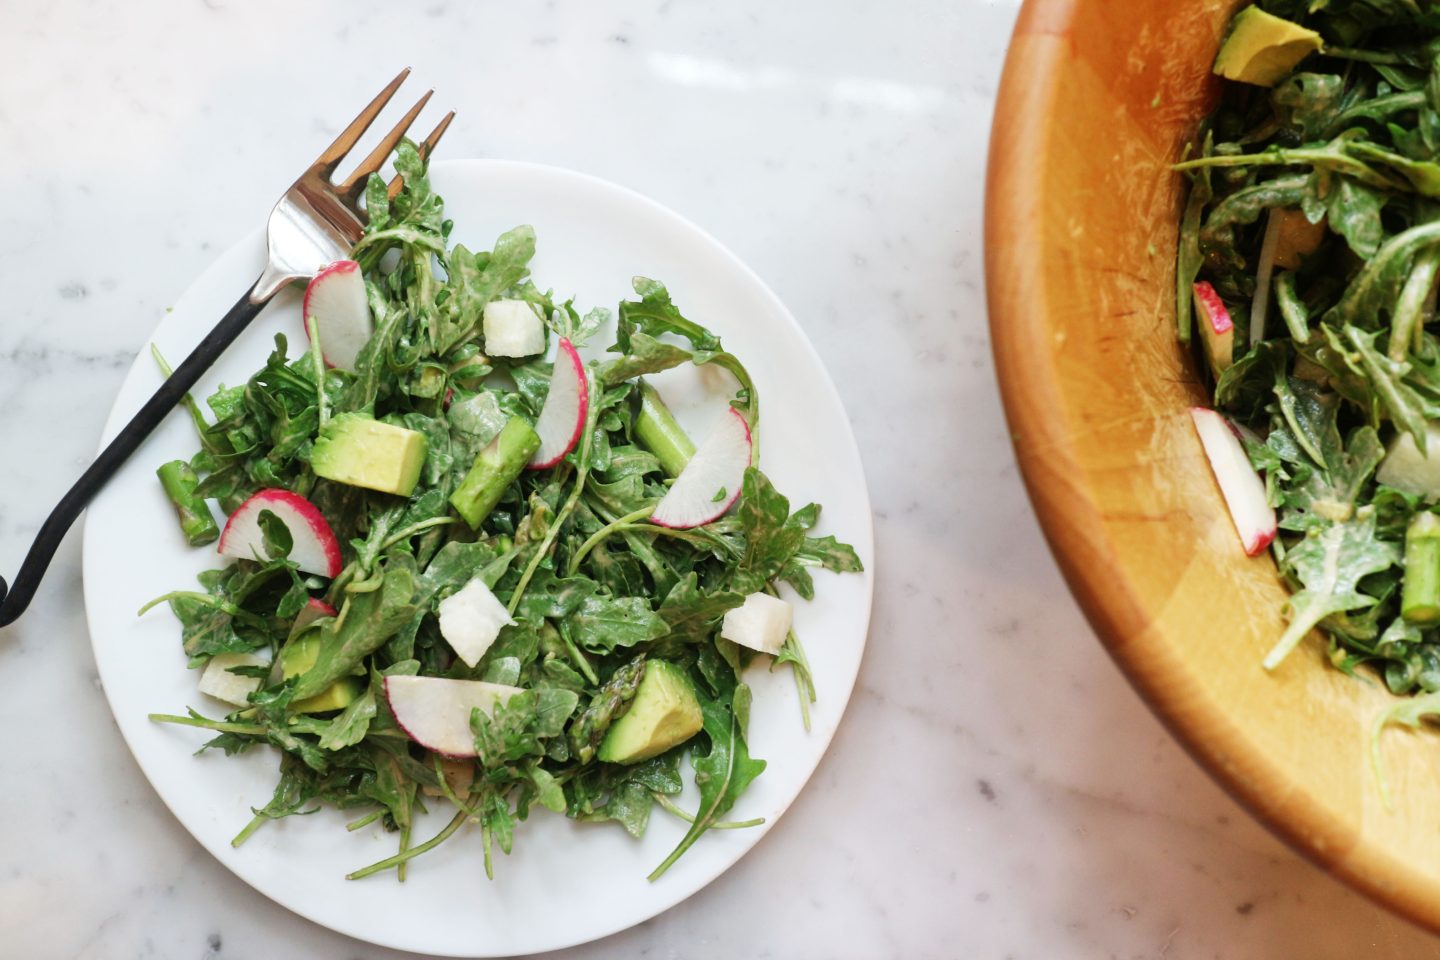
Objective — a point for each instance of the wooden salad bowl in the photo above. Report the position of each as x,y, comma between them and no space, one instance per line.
1097,100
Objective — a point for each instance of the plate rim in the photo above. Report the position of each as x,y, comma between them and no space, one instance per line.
863,538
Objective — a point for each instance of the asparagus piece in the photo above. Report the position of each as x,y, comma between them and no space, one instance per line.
496,467
1420,593
196,522
657,431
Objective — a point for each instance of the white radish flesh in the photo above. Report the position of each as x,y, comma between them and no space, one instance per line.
711,481
1244,491
512,329
314,548
562,418
336,306
471,619
760,623
435,711
217,681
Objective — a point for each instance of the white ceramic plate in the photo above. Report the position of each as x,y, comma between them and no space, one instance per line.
565,883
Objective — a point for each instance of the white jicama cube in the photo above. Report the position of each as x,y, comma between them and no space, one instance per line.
513,329
1406,468
471,619
217,681
760,623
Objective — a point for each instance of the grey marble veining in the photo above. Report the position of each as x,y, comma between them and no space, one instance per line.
996,790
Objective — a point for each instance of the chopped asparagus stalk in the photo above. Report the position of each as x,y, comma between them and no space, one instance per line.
496,467
1420,595
658,431
196,522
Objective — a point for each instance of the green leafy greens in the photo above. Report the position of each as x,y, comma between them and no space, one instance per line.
1314,212
595,591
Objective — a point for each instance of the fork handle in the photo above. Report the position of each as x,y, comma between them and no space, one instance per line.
15,598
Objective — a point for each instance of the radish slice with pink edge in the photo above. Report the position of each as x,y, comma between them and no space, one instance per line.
1217,329
435,711
562,418
336,305
1244,491
313,545
711,481
313,610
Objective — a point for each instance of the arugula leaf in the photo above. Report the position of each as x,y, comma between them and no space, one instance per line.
1330,564
372,618
603,624
722,775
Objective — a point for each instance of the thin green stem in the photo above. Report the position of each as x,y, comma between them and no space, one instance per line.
413,529
250,828
595,538
669,806
205,723
188,400
582,471
1410,305
317,360
1364,56
410,854
578,657
364,821
449,791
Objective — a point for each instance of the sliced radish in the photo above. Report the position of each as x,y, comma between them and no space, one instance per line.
512,329
710,482
562,419
435,711
314,547
1217,330
336,305
312,611
1242,487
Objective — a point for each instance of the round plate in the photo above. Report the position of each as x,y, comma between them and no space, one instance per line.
566,882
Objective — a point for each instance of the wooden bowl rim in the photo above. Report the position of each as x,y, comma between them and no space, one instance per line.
1015,246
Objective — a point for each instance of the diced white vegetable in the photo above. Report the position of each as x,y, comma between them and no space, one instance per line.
471,619
760,623
217,681
513,329
1406,468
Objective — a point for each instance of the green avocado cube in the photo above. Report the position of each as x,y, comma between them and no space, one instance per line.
298,656
664,713
364,452
1262,48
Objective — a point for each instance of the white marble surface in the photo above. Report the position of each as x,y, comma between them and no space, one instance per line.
996,789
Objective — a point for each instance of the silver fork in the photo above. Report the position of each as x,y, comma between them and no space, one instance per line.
315,223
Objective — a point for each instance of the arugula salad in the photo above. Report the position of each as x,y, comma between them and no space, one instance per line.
1308,257
461,573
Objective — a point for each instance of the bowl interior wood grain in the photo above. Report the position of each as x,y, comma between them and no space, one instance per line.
1097,99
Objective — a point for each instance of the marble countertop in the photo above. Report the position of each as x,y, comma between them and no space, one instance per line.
996,790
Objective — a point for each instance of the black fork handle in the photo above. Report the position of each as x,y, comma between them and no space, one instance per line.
15,598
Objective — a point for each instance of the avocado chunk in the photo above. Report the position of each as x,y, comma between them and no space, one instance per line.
298,656
664,713
363,452
1263,48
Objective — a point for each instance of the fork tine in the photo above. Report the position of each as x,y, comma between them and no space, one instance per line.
354,184
330,159
427,147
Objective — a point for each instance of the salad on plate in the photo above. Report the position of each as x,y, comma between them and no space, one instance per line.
473,559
